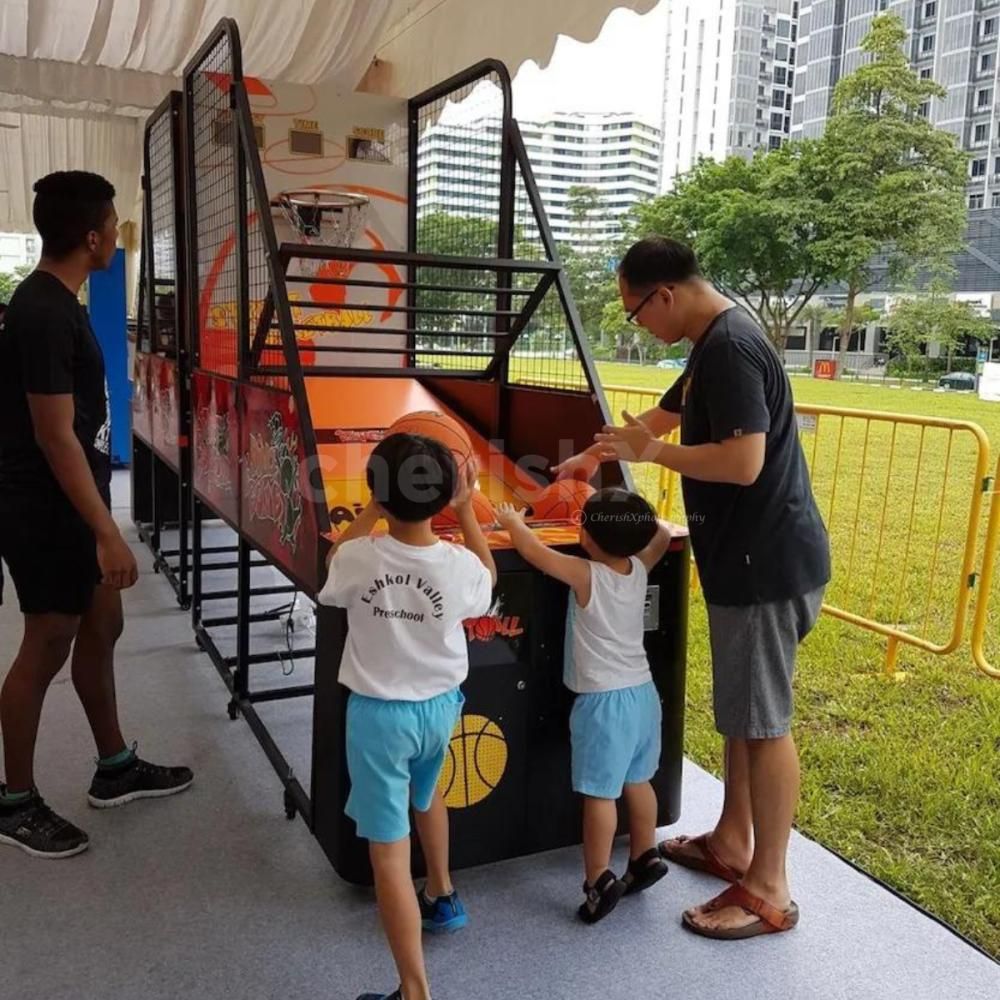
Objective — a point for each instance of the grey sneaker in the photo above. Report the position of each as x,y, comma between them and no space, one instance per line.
38,831
138,779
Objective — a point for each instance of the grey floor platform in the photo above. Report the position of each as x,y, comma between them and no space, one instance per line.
215,895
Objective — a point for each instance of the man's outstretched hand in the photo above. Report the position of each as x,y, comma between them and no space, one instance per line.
632,443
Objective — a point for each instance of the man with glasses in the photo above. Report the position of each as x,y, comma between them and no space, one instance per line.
763,560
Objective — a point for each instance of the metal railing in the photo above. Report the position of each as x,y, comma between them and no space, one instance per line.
985,606
904,563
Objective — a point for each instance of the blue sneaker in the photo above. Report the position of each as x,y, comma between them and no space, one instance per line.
442,915
397,995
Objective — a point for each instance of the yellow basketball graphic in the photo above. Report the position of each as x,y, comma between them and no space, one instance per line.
475,762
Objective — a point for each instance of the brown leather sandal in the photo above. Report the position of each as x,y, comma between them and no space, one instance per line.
770,920
709,863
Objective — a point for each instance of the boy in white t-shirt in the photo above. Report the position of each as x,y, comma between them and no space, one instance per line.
406,595
617,718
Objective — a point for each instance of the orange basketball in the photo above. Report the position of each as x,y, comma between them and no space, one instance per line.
485,514
561,500
441,428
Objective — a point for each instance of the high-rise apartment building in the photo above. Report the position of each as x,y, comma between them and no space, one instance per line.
954,42
728,78
616,154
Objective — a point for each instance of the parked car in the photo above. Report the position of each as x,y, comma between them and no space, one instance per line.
670,363
958,380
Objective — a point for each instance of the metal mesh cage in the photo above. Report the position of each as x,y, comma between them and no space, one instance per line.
546,353
214,180
460,153
259,288
163,234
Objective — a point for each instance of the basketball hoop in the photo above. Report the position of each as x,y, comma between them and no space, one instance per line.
319,218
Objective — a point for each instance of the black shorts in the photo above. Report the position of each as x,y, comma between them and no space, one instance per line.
51,557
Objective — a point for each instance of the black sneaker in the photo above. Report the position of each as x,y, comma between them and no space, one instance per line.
397,995
38,831
137,779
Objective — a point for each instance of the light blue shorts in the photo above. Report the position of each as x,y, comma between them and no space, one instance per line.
616,739
395,752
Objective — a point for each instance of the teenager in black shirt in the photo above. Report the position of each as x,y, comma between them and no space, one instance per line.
66,557
763,560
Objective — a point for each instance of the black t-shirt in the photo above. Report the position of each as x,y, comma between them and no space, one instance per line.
47,347
759,543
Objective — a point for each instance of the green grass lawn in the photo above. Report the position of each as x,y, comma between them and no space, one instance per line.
902,778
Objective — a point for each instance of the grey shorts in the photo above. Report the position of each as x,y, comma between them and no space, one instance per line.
753,662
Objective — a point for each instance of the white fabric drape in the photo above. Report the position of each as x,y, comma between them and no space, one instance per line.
299,41
78,77
427,41
110,146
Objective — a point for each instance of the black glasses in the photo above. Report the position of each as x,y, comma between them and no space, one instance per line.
631,317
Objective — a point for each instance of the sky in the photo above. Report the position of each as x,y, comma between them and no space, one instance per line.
622,70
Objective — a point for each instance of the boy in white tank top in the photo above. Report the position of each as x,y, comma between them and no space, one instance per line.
616,721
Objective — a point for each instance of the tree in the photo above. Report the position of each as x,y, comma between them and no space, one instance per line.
591,280
754,227
888,181
914,323
461,236
863,315
628,337
9,280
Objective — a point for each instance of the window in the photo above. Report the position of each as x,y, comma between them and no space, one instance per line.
883,4
930,8
979,167
987,61
774,142
781,52
981,134
784,29
780,75
996,165
996,199
988,28
778,99
927,43
777,121
975,201
984,98
925,74
925,109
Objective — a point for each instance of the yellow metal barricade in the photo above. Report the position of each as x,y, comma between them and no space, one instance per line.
987,620
902,498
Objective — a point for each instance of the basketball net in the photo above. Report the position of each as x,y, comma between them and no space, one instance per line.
320,218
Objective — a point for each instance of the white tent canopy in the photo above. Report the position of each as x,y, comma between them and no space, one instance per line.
79,77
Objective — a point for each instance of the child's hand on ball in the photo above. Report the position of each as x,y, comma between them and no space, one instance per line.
509,516
467,485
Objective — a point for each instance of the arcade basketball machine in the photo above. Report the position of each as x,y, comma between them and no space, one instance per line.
329,296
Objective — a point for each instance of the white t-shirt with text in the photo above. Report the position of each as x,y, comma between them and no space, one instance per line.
405,606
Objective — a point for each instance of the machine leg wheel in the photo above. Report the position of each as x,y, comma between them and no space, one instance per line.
290,809
185,604
233,709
